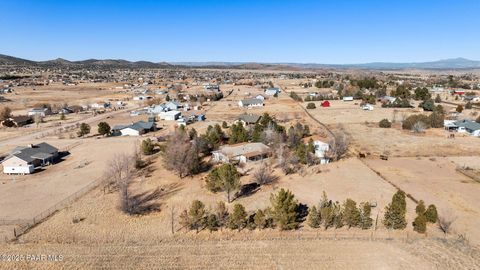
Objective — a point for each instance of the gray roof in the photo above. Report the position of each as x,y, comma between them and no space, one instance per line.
249,118
468,124
252,101
37,151
140,125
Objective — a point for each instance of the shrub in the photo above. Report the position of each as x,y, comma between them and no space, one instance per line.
311,106
459,109
413,119
420,223
365,211
431,214
147,146
384,123
84,130
260,219
438,99
436,119
468,105
420,208
104,128
313,218
478,119
427,105
238,218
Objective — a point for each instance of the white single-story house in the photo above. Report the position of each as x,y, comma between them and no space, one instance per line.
156,109
173,105
260,97
248,119
170,115
24,160
241,152
40,111
135,129
463,126
272,91
249,103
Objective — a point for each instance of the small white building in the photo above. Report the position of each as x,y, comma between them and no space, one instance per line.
367,107
40,111
170,115
250,103
349,98
261,97
173,105
321,149
272,91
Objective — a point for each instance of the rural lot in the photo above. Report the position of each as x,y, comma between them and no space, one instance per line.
125,194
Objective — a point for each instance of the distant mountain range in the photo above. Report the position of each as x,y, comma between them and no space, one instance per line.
454,63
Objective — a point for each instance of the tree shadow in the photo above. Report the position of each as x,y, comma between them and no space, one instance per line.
302,212
144,203
247,190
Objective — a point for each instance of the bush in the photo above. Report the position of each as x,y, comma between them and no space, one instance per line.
260,219
148,146
311,106
238,218
427,105
459,109
478,120
384,123
431,214
420,223
438,99
436,119
468,105
365,211
313,218
104,128
414,119
84,130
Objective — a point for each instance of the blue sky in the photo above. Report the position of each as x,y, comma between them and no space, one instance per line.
333,32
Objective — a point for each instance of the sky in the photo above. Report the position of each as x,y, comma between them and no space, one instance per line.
280,31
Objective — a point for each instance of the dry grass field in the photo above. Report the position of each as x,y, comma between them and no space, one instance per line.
93,233
435,180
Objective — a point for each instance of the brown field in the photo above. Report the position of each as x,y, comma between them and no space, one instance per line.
93,233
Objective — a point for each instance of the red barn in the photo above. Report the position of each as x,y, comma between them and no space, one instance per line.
326,103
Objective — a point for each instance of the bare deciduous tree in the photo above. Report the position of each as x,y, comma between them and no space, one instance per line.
182,155
338,145
419,127
119,170
445,222
264,175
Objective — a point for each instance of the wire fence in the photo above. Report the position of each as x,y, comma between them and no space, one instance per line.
20,226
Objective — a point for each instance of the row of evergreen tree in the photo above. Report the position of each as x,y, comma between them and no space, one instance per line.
286,213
